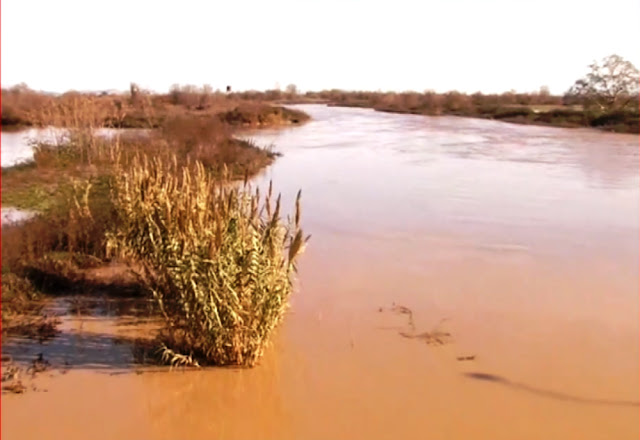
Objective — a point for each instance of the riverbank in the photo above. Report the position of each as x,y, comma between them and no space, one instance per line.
140,109
550,116
537,108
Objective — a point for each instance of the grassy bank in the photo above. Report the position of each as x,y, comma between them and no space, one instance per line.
22,107
567,117
82,188
539,108
514,108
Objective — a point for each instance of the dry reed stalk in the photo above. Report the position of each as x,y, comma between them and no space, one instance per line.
219,267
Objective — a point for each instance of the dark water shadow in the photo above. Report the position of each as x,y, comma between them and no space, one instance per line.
100,334
486,377
79,350
125,308
105,334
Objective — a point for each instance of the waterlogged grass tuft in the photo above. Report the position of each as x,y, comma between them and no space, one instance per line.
218,259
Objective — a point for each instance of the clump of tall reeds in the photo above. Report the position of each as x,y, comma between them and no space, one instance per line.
218,260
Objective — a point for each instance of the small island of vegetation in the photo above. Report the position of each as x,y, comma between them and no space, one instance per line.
159,212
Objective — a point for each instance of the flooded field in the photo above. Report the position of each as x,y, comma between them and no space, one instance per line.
465,279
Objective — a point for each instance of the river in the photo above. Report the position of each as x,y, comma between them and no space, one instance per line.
521,242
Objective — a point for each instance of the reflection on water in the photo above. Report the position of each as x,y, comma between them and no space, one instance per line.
95,333
522,239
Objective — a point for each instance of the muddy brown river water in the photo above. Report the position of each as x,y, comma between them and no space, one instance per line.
521,242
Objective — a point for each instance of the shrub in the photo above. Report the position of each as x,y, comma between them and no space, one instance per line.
218,265
513,112
624,121
562,117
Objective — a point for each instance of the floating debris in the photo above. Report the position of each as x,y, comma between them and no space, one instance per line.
16,387
38,365
433,337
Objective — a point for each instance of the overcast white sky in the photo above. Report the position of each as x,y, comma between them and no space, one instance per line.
466,45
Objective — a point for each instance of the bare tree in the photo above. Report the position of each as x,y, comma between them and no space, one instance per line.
20,88
292,90
611,84
134,91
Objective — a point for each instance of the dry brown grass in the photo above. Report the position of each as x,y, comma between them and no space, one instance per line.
140,109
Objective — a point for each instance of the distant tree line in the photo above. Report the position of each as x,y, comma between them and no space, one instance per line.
607,96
